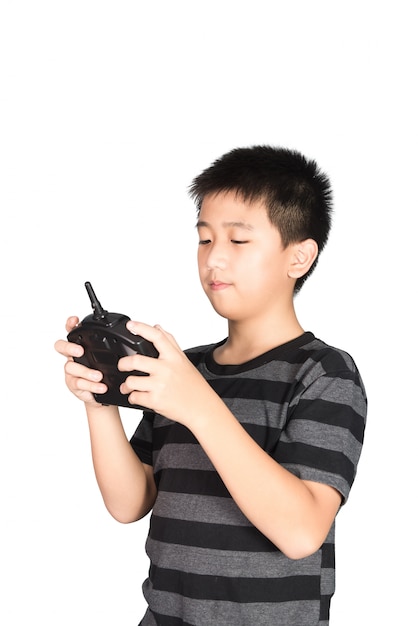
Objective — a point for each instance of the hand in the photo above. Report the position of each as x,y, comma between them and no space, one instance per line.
174,387
82,381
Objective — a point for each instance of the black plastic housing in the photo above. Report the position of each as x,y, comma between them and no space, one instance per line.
105,340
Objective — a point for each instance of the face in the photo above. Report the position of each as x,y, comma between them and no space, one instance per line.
243,266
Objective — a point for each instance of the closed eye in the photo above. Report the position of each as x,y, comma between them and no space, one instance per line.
238,242
204,242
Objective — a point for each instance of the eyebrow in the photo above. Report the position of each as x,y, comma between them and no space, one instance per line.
244,225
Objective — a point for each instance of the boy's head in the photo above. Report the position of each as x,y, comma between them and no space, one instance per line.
297,195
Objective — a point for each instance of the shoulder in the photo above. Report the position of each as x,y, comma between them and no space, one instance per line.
323,356
330,374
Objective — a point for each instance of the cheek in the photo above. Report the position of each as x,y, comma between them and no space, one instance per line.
199,256
201,263
257,263
266,268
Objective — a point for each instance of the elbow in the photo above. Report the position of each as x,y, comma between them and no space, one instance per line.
300,546
127,511
300,551
126,516
125,519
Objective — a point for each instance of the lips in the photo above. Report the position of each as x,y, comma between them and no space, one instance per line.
217,285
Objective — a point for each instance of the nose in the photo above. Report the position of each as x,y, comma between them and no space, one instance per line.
216,257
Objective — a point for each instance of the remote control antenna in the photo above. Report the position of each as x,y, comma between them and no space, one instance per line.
99,312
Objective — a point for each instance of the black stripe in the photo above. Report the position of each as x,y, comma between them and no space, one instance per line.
191,482
178,434
324,607
266,436
142,449
332,360
274,391
328,556
306,455
167,620
241,590
331,413
172,433
212,536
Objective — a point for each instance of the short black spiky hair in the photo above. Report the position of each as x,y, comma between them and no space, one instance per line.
297,194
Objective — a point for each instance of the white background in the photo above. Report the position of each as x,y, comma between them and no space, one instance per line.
108,110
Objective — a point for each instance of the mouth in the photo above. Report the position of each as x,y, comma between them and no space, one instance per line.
217,285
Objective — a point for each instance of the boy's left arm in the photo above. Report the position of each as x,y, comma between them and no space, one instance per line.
296,515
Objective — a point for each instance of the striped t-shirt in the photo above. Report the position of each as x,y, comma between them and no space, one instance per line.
305,405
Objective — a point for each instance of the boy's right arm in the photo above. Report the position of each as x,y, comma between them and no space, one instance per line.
126,484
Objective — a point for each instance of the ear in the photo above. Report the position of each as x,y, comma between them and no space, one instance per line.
304,254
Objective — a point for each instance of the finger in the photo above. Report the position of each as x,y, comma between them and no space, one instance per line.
68,349
137,363
142,329
71,323
81,384
156,334
168,335
141,398
137,388
82,371
136,383
84,379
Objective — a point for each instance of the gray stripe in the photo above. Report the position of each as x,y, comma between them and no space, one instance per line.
334,389
188,456
323,435
229,563
195,508
259,412
214,613
327,581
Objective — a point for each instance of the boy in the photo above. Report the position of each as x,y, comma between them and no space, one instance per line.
249,446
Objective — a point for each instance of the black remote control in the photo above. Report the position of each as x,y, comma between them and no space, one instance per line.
105,340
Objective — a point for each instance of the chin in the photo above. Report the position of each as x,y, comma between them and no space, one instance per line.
233,312
220,312
228,314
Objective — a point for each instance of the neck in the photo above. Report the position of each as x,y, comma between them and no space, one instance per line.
249,339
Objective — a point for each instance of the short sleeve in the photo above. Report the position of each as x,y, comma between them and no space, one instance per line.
141,440
323,437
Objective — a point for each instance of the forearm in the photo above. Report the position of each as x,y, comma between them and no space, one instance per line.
278,503
126,486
